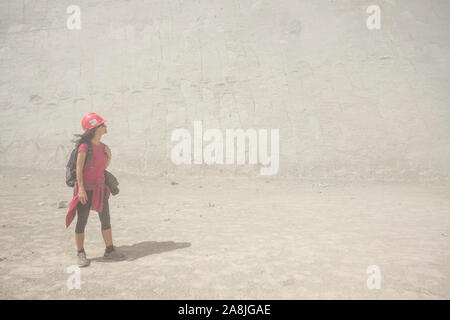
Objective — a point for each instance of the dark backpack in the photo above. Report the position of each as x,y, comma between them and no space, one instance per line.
71,167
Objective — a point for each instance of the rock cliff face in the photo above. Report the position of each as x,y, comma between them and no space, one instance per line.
349,102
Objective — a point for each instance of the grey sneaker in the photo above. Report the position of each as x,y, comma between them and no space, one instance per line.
82,260
114,255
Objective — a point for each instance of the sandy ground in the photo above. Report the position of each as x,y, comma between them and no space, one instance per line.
222,238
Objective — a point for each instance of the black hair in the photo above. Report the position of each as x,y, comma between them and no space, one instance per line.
84,137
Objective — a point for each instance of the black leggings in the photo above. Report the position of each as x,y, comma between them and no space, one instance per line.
83,213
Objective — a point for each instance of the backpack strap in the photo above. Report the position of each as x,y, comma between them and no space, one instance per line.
91,156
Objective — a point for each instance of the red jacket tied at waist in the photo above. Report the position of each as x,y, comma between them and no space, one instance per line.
96,203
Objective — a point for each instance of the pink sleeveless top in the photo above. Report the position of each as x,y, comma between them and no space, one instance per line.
94,175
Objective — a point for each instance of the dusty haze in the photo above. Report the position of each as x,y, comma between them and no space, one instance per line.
364,135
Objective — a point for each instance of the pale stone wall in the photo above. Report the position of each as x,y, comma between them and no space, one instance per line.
349,102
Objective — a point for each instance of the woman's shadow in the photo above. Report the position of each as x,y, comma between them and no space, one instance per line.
146,248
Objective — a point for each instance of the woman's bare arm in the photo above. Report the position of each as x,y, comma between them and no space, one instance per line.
80,164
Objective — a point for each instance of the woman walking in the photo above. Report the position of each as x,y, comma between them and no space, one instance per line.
90,191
